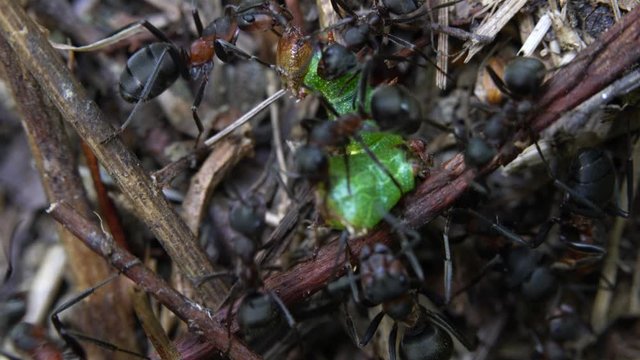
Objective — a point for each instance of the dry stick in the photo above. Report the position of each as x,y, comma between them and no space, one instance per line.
106,315
197,317
33,50
594,68
152,327
106,206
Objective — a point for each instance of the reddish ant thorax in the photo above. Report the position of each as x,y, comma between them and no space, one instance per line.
201,51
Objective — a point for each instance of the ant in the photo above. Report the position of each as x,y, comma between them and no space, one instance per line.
384,280
363,29
257,308
140,82
591,179
154,68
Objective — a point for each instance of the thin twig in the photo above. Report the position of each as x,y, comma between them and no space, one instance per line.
197,317
106,316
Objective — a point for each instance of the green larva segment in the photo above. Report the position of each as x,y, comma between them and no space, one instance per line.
340,93
373,192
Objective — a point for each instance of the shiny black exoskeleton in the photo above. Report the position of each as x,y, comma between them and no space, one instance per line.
394,109
336,61
523,79
384,280
591,176
248,217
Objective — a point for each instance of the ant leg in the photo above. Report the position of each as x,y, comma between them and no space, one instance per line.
361,95
339,5
283,308
443,323
196,104
489,265
223,47
347,170
571,192
343,246
393,338
499,83
371,329
287,315
448,264
377,161
197,21
353,285
71,337
543,232
402,42
198,281
406,246
68,338
616,210
496,227
143,97
155,31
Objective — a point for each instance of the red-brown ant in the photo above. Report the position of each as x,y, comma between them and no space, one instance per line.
155,67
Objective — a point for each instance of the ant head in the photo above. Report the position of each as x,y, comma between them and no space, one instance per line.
565,324
426,340
256,311
384,277
356,36
394,109
312,162
335,61
262,16
399,309
248,218
478,152
523,76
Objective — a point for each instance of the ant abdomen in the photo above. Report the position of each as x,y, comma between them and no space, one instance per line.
426,341
137,72
592,176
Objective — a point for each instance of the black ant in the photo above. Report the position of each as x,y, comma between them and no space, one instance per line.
384,280
591,179
257,308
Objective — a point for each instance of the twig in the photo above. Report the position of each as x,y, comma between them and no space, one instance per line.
213,170
34,51
107,209
608,276
107,317
197,317
595,67
152,327
246,117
